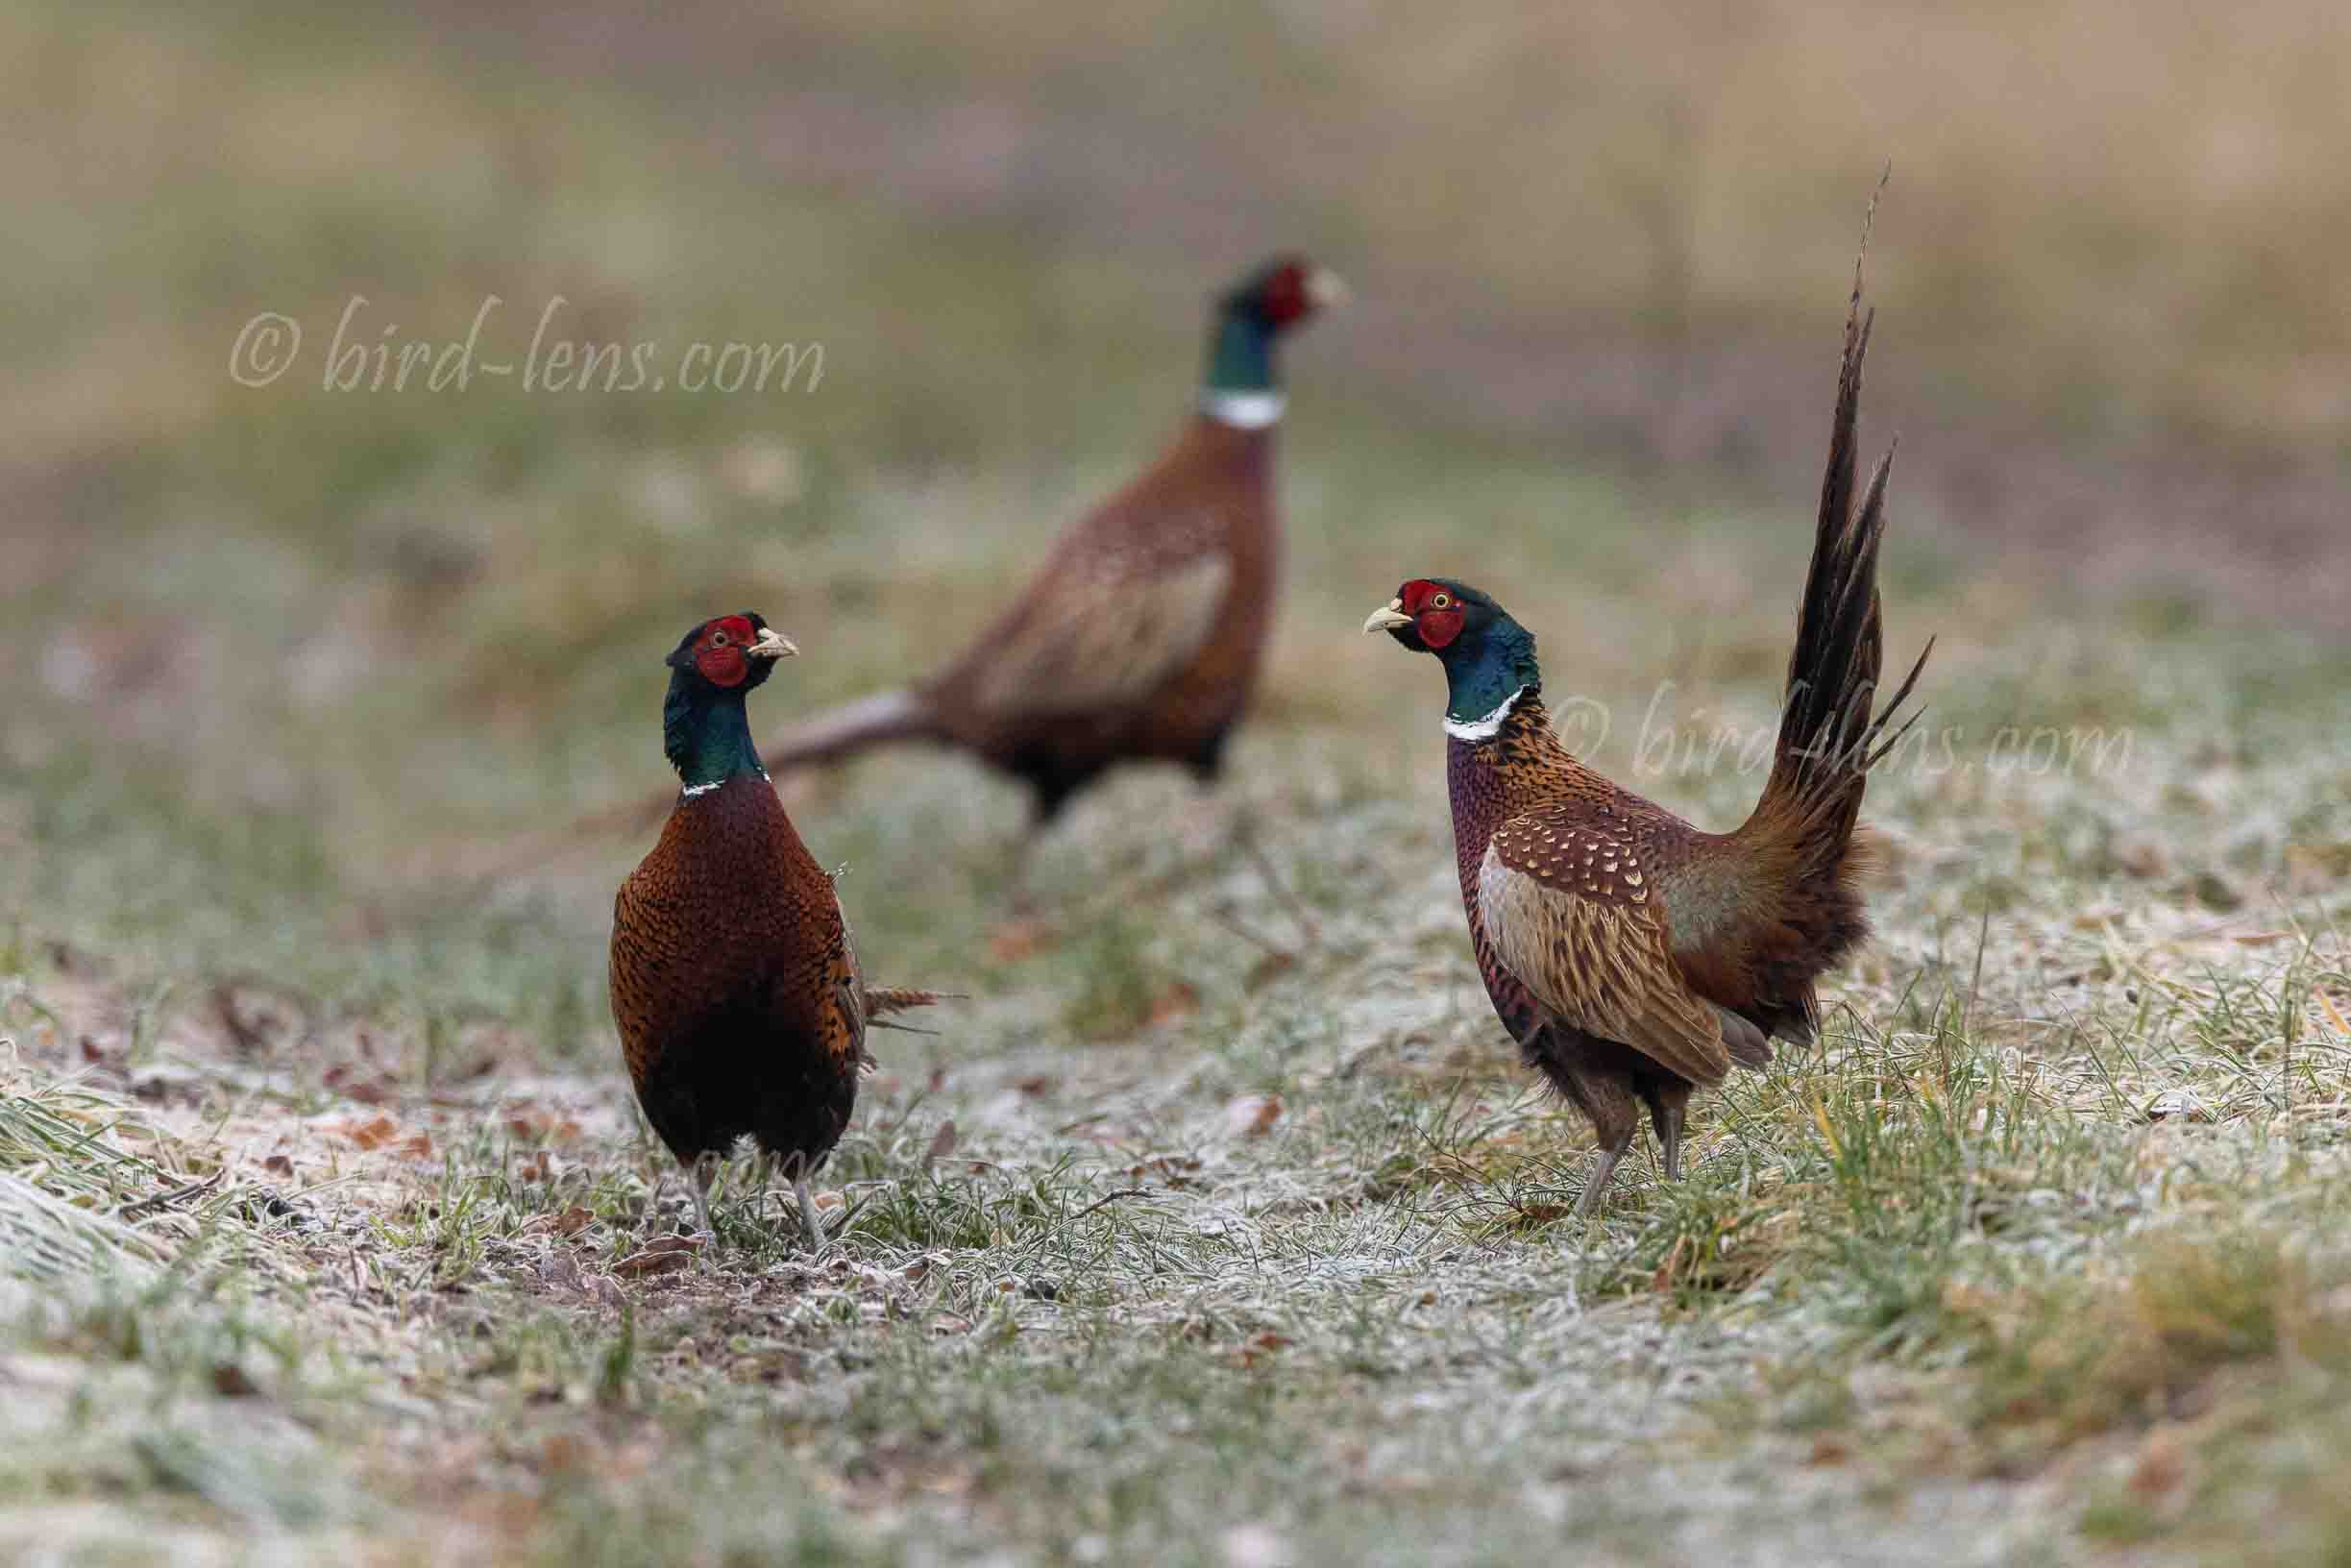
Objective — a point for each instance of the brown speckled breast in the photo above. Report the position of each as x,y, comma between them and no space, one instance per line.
734,985
1524,768
1489,782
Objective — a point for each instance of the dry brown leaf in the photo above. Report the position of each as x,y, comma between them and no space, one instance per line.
1663,1279
1179,1000
2333,1011
2162,1463
1253,1115
659,1256
383,1132
373,1134
539,1123
1268,969
564,1451
1017,939
1260,1348
368,1088
231,1381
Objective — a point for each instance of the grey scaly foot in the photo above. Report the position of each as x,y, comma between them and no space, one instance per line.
1669,1133
699,1180
810,1223
1602,1175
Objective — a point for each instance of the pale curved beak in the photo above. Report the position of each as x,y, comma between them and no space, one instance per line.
1387,617
773,644
1326,289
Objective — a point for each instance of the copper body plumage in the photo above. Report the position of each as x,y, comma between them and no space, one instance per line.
734,985
1140,638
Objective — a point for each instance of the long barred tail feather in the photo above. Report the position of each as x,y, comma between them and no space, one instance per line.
880,1001
853,726
1829,738
883,1000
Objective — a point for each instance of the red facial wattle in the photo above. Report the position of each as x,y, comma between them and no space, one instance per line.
1285,297
1435,611
719,652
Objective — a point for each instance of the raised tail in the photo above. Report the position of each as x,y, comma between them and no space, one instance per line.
1828,736
891,716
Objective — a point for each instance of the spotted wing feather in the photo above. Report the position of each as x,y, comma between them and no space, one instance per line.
1572,914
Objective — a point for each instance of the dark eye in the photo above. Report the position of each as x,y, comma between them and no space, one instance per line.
1441,601
718,639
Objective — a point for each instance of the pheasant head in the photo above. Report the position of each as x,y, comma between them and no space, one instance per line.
1488,658
1243,385
704,730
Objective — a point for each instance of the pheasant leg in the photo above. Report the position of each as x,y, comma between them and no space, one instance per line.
697,1181
1602,1175
810,1222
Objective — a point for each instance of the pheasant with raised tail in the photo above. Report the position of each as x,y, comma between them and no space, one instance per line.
1634,958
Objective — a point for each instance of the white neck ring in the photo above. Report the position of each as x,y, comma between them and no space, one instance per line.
694,791
1487,728
1243,411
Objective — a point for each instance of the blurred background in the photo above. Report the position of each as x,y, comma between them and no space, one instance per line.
285,662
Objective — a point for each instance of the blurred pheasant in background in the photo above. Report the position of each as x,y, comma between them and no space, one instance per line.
1141,636
1633,957
736,996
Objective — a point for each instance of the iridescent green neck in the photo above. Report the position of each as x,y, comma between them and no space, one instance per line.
1240,354
707,733
1487,674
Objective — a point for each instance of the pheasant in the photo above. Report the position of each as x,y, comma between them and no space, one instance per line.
734,987
1141,636
1632,957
